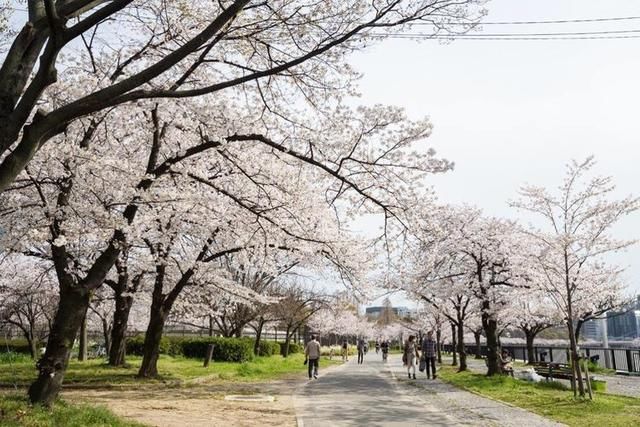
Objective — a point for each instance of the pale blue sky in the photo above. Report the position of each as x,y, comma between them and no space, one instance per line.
509,112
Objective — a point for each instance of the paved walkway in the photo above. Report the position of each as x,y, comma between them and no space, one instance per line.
379,394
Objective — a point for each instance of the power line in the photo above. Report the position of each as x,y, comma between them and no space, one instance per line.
556,21
521,38
489,35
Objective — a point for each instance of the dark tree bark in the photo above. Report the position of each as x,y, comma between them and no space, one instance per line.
530,336
118,350
32,341
106,333
211,325
82,345
454,345
72,309
461,348
477,335
439,344
151,352
287,339
258,328
490,326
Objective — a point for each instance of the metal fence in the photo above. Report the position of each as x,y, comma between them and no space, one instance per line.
622,360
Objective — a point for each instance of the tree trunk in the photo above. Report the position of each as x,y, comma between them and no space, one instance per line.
461,349
151,352
530,336
287,338
106,333
118,350
439,344
575,360
490,326
210,325
31,341
72,309
476,336
454,345
256,346
82,346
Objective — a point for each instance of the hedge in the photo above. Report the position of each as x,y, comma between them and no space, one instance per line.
268,348
168,345
14,346
293,347
225,350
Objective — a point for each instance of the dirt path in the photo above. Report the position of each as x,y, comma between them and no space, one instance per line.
197,405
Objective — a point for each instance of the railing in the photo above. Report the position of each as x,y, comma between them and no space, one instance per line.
622,360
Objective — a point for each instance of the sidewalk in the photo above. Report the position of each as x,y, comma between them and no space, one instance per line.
379,394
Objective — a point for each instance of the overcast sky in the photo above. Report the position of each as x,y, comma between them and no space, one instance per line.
510,112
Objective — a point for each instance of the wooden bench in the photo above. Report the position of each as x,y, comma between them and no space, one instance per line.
507,371
553,370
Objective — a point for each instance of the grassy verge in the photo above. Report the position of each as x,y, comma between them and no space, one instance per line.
172,369
15,411
550,400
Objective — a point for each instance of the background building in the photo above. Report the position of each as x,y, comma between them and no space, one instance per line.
625,324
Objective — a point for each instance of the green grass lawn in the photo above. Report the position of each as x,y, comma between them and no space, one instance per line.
15,411
96,372
549,400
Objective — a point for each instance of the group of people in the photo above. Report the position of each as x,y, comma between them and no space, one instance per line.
423,353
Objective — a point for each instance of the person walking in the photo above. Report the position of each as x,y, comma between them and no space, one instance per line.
312,356
410,356
429,354
360,351
345,351
385,350
377,346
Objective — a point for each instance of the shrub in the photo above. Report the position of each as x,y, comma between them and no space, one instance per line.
225,350
599,385
293,348
14,346
268,348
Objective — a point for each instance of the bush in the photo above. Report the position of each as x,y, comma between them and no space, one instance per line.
168,345
225,350
13,357
293,348
599,386
268,348
14,346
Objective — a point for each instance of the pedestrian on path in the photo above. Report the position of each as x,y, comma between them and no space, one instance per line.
312,356
345,351
385,350
429,354
361,349
411,355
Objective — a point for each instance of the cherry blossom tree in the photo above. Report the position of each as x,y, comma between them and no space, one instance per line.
466,260
159,123
294,308
181,49
533,312
27,290
570,250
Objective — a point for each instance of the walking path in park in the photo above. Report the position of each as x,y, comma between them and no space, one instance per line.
616,384
380,394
